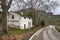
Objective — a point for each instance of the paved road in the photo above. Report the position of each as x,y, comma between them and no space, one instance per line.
48,33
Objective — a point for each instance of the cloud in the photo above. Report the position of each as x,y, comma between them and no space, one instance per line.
57,11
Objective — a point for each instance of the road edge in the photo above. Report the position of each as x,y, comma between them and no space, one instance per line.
36,33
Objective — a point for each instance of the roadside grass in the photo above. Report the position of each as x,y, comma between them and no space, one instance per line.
58,28
18,31
28,32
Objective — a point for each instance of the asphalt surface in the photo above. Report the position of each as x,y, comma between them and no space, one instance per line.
48,33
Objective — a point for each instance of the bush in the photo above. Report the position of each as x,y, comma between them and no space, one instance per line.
42,23
0,20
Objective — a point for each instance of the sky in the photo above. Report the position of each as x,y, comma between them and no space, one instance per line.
57,9
56,12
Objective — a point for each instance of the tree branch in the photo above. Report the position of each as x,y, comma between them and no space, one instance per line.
3,4
9,4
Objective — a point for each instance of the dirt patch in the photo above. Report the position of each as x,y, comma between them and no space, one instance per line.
16,34
12,37
24,36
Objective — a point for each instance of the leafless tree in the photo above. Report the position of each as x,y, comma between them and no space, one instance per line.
41,4
44,5
5,5
37,4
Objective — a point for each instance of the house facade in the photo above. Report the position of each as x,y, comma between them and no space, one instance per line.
15,20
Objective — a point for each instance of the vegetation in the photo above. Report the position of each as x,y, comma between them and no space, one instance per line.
28,32
4,11
58,28
0,18
5,6
18,31
25,33
42,23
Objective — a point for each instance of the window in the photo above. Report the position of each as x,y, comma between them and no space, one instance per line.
24,17
12,16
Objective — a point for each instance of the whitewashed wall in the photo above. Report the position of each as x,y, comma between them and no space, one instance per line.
18,21
16,18
24,21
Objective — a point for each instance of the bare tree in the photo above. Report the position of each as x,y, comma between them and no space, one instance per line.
37,4
44,5
40,4
5,5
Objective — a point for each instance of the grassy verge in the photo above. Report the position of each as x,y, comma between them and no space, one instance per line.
58,28
28,32
18,31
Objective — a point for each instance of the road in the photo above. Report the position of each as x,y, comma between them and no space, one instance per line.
48,33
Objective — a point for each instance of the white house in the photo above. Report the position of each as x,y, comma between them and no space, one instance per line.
15,20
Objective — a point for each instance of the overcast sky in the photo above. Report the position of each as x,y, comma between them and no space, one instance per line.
56,12
57,9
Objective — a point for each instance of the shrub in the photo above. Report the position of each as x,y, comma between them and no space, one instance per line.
0,20
42,23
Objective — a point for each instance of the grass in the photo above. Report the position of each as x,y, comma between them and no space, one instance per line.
14,30
58,28
28,32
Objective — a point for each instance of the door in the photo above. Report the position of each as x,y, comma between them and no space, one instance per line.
24,26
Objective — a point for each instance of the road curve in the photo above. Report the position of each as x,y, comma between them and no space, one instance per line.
48,33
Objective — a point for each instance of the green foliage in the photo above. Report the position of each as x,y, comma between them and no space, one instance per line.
42,23
0,18
0,12
58,28
24,31
18,31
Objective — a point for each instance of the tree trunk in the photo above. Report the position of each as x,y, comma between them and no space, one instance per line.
5,9
4,22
